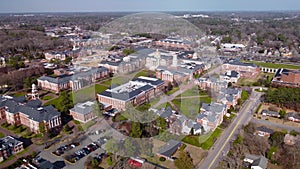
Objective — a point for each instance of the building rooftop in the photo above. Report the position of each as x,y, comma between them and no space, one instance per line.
8,141
31,109
83,108
169,148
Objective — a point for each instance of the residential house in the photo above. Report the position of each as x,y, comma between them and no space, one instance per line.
9,146
255,161
270,113
211,115
29,113
136,92
169,149
290,139
264,131
84,112
293,116
55,55
229,96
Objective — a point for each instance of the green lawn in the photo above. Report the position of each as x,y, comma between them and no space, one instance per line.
55,102
190,107
88,125
175,89
1,135
193,140
211,140
47,97
274,65
19,94
193,92
147,73
164,105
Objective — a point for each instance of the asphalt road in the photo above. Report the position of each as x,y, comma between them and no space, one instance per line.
222,145
276,125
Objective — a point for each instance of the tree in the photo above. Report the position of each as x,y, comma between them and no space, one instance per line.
277,138
161,123
244,95
130,147
184,161
229,84
282,113
111,146
27,82
42,128
136,130
66,103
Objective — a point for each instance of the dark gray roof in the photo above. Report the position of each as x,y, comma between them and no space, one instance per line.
169,148
126,95
270,112
232,73
57,80
165,113
213,107
264,129
261,162
293,114
8,141
34,103
31,109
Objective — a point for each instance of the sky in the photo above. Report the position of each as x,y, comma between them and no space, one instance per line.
21,6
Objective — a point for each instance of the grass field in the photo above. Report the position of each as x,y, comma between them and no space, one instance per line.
19,94
206,145
274,65
1,135
47,97
190,106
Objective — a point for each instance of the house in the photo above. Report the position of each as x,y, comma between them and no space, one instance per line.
84,112
293,116
211,115
288,78
165,112
169,149
290,139
136,92
229,96
9,146
263,131
16,111
255,161
55,55
230,76
270,113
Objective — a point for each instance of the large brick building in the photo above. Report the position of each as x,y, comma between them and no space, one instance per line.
16,111
174,43
136,92
74,82
285,77
246,70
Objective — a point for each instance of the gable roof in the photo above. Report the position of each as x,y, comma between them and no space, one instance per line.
83,108
169,148
264,129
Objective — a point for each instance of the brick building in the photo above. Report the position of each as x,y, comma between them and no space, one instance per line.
288,78
83,112
9,146
16,111
74,81
246,70
136,92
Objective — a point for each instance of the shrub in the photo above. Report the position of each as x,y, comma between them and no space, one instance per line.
162,159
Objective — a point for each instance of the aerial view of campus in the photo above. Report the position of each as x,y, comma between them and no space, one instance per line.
160,84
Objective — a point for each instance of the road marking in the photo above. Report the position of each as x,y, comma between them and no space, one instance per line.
237,124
